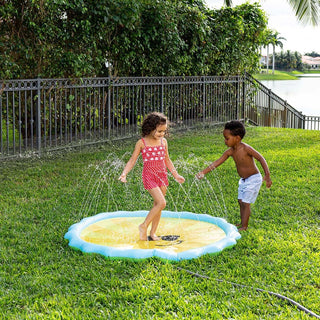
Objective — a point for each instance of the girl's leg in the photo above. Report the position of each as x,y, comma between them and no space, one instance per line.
154,214
156,220
245,211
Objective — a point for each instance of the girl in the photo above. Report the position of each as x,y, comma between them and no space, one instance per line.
154,150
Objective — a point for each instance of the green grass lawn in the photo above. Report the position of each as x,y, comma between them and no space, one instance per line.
278,75
282,75
312,71
41,277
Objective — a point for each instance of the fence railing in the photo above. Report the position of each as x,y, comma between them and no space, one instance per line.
265,108
45,114
312,122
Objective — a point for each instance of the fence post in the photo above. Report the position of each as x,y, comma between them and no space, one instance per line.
285,114
38,123
204,98
244,96
238,115
269,108
162,93
109,107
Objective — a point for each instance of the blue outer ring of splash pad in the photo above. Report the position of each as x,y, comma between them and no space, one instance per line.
73,235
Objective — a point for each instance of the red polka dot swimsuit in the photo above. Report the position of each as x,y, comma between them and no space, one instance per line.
154,173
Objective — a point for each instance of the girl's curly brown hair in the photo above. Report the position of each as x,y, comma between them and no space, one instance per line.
151,122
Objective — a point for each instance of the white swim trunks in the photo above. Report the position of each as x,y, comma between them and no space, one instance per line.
249,188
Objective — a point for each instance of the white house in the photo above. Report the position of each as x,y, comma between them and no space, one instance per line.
313,62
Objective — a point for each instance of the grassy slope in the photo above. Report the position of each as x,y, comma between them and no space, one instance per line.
282,75
278,75
41,277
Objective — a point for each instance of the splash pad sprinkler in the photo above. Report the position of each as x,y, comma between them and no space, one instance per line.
184,235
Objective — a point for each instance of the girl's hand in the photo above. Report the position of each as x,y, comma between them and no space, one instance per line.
179,178
123,178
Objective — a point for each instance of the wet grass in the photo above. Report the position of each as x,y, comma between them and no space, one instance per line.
41,277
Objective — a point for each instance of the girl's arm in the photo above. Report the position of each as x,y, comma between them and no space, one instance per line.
214,164
170,165
132,161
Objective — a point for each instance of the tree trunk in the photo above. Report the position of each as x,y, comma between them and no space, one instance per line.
273,58
268,59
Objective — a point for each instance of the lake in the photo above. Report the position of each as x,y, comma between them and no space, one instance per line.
302,94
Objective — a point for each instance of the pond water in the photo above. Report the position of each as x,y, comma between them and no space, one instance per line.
302,94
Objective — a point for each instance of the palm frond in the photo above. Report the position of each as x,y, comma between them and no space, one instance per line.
307,11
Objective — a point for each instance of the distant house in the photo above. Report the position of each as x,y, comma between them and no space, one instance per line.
313,62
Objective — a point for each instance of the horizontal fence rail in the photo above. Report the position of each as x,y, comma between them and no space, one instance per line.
46,114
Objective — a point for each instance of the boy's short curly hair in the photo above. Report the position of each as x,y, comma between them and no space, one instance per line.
236,128
151,122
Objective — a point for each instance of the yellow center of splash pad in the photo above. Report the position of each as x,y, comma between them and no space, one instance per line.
122,232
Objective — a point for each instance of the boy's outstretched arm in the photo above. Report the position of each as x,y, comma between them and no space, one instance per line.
214,164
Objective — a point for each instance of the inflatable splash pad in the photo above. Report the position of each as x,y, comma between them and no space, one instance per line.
184,235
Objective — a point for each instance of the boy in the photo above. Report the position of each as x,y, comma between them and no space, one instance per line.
243,156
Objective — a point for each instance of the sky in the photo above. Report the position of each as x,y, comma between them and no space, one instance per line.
281,17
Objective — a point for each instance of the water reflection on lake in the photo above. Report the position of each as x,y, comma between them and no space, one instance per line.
302,94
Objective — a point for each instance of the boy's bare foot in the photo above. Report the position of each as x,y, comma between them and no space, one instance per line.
242,229
143,232
155,238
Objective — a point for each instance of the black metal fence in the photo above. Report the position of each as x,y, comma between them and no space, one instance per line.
45,114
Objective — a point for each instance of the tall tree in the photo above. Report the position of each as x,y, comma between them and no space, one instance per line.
268,34
236,36
275,41
307,11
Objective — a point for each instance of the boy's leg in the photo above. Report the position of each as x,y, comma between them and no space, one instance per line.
245,211
247,193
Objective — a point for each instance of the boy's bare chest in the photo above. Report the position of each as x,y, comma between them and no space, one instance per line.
241,157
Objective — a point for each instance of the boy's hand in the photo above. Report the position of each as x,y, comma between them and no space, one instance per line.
268,181
200,175
123,178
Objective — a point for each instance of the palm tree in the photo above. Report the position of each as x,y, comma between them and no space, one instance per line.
228,3
275,41
267,41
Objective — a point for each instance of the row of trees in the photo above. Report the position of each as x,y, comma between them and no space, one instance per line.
78,38
313,54
289,61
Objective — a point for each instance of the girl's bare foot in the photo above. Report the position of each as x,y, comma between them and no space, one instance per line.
155,238
242,229
143,232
